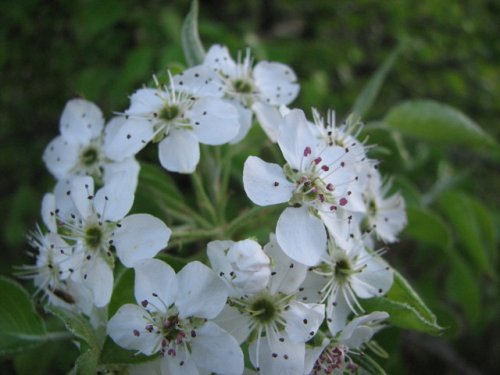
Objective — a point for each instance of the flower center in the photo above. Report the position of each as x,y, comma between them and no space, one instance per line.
332,358
93,237
242,86
343,269
89,156
169,112
264,310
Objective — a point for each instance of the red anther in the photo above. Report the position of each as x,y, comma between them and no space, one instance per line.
325,167
307,151
317,160
329,187
343,201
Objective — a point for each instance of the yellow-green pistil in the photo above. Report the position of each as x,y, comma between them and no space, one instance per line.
89,156
169,112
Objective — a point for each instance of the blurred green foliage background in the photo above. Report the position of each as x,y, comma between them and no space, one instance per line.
51,51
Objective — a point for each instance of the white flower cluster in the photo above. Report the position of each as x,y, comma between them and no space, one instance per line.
293,304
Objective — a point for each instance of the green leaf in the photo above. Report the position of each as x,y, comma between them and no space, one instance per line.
369,364
464,288
20,325
113,354
123,291
461,210
426,226
162,182
371,90
190,39
435,122
90,345
405,307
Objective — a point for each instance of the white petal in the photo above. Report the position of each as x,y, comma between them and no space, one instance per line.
49,212
234,322
127,329
287,275
201,293
360,329
312,355
64,203
81,121
265,183
156,283
337,312
216,350
301,235
131,137
126,170
310,290
179,151
114,200
245,121
145,102
277,357
199,80
98,276
303,320
294,137
60,156
180,364
374,279
82,193
269,119
276,83
140,237
218,58
215,121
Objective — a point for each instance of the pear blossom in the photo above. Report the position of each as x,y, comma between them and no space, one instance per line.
314,182
179,119
242,264
79,149
258,89
96,227
271,320
342,277
173,318
55,274
386,216
332,356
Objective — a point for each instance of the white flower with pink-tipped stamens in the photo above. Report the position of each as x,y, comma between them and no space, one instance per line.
258,89
271,319
79,149
179,118
315,183
344,276
96,227
173,318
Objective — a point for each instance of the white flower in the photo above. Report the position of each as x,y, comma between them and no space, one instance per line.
344,276
259,89
170,318
79,149
55,273
314,182
96,226
271,320
242,264
385,216
179,119
332,356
